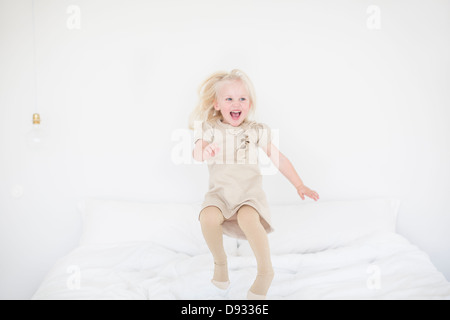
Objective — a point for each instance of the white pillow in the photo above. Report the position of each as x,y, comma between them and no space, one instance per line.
174,226
321,225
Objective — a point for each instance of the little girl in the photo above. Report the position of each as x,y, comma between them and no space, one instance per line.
235,204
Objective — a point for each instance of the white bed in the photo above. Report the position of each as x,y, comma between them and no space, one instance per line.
323,250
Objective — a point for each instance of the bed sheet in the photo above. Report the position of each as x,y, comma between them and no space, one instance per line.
380,266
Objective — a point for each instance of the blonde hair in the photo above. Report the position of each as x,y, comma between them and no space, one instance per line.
204,111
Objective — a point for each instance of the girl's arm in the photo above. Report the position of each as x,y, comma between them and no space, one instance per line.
204,150
287,169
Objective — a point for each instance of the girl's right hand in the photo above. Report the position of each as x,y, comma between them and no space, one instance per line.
210,151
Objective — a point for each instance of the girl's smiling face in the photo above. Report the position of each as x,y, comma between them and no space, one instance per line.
233,102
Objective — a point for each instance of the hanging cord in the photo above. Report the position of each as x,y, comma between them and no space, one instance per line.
34,56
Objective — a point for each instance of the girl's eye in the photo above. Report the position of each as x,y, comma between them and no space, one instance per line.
228,99
243,99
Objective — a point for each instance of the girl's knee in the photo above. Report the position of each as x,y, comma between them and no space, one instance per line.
247,215
211,216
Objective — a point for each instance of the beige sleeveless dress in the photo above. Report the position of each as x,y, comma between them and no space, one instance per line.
234,174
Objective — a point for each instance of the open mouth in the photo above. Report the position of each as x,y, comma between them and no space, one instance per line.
235,114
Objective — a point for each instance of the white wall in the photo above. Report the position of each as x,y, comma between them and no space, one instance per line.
361,112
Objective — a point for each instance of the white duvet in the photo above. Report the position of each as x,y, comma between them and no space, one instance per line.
379,266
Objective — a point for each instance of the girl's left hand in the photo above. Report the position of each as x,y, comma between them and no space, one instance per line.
305,191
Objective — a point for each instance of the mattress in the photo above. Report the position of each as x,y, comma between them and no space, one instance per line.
379,264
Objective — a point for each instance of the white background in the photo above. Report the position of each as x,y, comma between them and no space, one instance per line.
361,112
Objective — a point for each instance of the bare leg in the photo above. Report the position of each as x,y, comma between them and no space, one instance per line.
211,220
250,222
